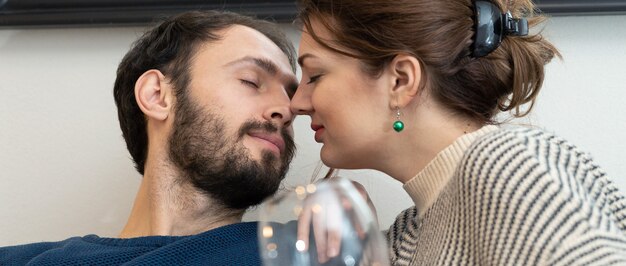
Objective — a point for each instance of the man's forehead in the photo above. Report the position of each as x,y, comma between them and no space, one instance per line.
239,41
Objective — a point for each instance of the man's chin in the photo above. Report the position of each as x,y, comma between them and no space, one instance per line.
270,160
264,157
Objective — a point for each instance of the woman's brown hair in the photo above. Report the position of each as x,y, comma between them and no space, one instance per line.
440,35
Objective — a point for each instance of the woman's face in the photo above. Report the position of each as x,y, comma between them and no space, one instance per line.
349,110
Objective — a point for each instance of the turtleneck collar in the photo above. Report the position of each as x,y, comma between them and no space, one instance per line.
425,187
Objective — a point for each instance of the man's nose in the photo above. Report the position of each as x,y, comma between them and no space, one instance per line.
279,112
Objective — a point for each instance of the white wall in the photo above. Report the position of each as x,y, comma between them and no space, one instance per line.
64,169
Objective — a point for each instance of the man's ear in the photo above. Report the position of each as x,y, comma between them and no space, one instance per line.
406,74
154,94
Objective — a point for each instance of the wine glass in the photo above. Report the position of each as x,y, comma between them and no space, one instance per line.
328,223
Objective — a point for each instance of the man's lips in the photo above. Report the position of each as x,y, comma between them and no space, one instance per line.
272,138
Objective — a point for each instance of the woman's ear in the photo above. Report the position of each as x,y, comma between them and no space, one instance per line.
406,72
154,94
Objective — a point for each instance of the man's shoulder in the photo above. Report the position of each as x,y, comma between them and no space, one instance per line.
25,253
234,244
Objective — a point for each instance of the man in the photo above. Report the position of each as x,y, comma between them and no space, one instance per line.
203,103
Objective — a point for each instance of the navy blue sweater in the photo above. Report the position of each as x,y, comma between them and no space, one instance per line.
234,244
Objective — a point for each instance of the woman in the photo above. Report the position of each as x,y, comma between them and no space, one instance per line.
412,88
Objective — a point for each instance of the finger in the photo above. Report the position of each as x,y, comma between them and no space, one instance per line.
361,189
347,205
304,225
334,242
334,219
356,223
374,212
359,229
319,231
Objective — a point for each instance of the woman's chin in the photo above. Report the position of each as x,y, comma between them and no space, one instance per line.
329,158
337,160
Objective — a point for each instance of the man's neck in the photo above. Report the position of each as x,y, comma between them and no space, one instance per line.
166,206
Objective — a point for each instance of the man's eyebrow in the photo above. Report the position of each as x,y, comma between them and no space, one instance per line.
265,64
302,57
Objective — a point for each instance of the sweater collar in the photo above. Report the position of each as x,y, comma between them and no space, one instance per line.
425,187
238,232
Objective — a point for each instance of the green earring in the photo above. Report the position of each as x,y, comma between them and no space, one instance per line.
398,125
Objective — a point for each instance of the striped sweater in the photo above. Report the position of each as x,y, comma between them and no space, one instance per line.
510,197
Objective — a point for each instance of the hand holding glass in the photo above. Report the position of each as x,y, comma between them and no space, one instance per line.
328,223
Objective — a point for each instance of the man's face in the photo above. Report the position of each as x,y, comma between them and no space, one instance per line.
232,134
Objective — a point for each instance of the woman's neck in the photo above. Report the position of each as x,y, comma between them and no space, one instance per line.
429,131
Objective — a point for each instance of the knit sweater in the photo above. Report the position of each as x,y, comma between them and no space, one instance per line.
234,244
510,197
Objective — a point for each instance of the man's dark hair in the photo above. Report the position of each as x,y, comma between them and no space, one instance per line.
169,47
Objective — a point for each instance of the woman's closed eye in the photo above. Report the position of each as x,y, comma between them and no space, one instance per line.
314,79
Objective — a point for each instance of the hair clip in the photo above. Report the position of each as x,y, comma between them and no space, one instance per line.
491,25
515,26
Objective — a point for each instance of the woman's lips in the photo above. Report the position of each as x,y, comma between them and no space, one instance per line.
319,129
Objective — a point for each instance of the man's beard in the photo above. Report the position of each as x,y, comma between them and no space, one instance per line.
221,166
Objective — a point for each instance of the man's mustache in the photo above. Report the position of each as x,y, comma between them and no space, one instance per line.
256,125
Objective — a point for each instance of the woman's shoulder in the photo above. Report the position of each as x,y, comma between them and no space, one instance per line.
528,164
529,183
520,135
516,162
510,143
